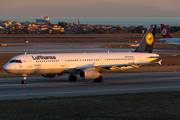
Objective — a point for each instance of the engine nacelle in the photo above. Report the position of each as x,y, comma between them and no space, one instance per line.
51,75
89,74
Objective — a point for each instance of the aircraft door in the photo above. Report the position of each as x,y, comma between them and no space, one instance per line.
29,62
101,61
139,59
62,61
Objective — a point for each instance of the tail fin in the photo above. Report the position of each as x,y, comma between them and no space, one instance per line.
165,33
147,42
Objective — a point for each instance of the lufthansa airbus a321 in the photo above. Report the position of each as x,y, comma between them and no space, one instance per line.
86,65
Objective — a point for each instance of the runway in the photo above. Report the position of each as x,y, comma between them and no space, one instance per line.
21,48
30,48
38,87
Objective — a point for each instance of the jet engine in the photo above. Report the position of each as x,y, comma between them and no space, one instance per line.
51,75
89,74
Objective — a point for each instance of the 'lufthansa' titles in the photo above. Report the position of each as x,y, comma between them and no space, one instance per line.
149,38
43,57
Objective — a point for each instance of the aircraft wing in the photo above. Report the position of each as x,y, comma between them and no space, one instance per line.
174,44
109,66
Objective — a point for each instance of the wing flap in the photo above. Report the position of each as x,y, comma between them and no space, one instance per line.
109,66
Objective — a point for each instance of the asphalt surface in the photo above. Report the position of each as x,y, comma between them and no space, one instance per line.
21,48
11,88
38,87
81,37
55,48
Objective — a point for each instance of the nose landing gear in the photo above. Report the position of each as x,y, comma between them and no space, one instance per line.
24,79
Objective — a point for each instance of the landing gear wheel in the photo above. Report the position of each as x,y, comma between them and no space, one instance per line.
72,78
24,79
23,82
100,79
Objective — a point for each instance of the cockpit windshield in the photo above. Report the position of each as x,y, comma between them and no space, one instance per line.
15,61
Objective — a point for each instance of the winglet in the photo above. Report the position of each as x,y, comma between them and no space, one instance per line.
86,66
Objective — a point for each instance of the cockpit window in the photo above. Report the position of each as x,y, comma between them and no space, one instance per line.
15,61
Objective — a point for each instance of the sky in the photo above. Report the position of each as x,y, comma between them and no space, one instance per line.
162,4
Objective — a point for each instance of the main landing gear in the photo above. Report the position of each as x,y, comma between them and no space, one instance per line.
100,79
72,77
24,79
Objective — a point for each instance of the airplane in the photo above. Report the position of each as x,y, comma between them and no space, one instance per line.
167,38
86,65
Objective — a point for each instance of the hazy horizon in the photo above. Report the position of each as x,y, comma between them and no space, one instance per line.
161,4
102,8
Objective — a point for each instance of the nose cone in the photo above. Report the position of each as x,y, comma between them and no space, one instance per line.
8,68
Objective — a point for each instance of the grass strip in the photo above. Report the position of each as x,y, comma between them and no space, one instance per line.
152,105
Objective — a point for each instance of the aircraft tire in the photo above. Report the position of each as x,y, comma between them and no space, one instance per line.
23,82
100,79
72,78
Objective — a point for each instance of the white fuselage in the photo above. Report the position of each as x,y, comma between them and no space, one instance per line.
171,41
67,63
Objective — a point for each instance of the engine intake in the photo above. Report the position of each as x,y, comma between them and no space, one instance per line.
89,74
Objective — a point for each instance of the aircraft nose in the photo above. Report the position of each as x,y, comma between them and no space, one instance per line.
7,68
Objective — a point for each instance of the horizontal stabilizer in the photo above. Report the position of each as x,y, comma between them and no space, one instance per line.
159,62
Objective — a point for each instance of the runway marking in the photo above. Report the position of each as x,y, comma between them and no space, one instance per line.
19,85
170,78
133,89
32,84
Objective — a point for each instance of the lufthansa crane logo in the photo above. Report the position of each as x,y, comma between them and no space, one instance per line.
149,38
164,31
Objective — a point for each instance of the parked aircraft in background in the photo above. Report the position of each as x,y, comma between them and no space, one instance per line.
167,38
86,65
